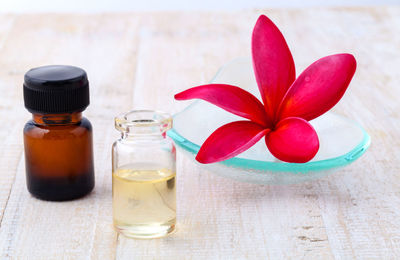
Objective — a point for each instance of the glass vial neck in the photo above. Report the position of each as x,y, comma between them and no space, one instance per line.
143,124
57,119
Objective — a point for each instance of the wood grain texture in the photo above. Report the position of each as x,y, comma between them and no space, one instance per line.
139,60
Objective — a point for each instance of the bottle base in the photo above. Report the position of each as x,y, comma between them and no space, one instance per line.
146,231
60,189
59,197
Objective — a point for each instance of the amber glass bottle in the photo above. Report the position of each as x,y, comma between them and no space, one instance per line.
58,140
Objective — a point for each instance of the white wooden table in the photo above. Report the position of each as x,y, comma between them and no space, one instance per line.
139,60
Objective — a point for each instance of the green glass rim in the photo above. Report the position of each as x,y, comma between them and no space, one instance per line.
335,162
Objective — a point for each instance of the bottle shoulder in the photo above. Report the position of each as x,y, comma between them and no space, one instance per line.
83,127
86,124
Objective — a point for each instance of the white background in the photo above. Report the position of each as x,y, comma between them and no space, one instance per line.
84,6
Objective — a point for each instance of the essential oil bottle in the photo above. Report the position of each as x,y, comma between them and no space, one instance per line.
58,140
144,190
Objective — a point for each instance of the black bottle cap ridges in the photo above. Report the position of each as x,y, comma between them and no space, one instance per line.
56,89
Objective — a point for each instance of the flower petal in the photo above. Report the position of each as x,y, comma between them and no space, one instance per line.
230,140
293,140
231,98
273,63
319,87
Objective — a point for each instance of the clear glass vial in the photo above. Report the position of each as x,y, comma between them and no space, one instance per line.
143,165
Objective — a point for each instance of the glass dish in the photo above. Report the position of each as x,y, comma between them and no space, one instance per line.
342,141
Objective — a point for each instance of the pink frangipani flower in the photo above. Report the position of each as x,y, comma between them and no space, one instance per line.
288,103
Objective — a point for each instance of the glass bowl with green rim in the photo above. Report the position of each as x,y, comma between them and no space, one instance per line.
342,141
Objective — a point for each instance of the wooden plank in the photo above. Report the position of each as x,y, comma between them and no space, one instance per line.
8,157
140,61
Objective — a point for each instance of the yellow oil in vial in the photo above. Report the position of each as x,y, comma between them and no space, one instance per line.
144,201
